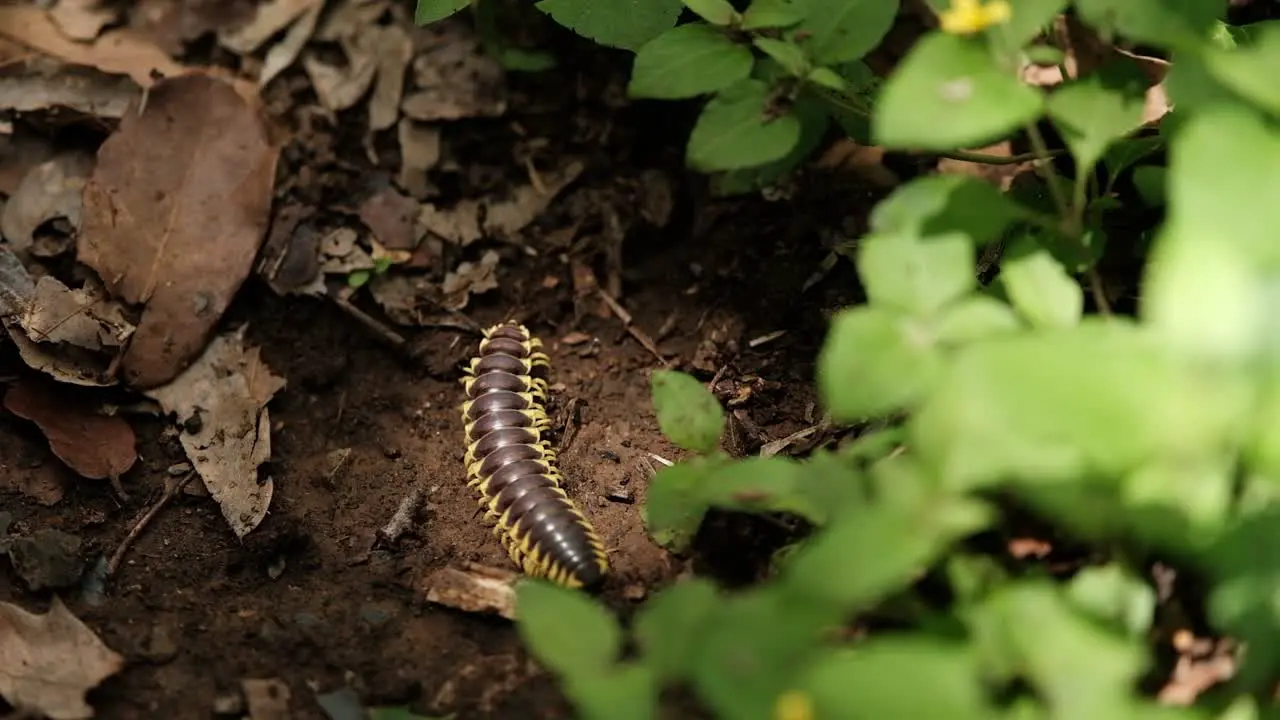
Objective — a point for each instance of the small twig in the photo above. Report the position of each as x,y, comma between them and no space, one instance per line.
636,332
570,426
403,516
172,487
379,328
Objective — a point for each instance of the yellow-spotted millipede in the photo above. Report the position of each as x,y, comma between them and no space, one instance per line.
512,466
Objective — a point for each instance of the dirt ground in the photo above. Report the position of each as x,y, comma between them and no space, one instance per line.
311,596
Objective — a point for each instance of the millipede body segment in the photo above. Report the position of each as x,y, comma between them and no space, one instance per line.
512,467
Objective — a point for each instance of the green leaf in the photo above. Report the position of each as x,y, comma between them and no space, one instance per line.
737,129
917,275
1242,600
762,484
866,683
1045,55
945,76
1150,183
688,61
843,30
1078,667
403,713
429,11
1111,593
1163,23
1124,153
565,629
358,278
669,626
1098,109
716,12
937,204
787,54
674,507
625,24
827,78
874,362
624,692
1117,398
1029,18
975,318
895,540
517,59
1249,70
689,415
1039,287
814,122
762,14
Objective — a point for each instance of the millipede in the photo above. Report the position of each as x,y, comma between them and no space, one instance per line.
512,466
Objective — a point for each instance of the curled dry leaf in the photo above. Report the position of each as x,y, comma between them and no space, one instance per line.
455,79
395,50
52,189
16,285
119,52
45,83
506,218
285,53
470,278
459,225
221,405
269,18
95,446
50,661
480,590
341,87
175,212
83,19
419,152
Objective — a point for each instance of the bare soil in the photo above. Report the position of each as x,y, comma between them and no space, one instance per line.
310,596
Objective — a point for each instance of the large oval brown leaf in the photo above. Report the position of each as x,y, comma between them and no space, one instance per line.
174,214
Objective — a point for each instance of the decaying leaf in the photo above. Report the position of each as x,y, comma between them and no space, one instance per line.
404,297
16,285
83,19
341,87
419,152
470,278
341,255
45,83
95,446
268,698
270,18
20,151
53,189
507,217
459,224
454,77
119,52
479,590
283,54
395,50
50,661
392,217
175,212
221,404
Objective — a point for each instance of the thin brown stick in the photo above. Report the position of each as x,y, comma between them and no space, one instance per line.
380,329
636,332
171,488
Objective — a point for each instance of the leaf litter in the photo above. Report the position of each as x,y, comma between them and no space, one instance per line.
51,661
52,189
93,445
220,403
175,212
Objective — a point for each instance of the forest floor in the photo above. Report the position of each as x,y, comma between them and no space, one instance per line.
630,266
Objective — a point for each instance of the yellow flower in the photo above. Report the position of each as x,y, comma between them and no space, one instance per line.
793,705
966,17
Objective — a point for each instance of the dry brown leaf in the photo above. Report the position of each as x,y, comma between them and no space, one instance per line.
419,152
16,285
19,152
487,590
404,297
470,278
50,661
95,446
175,213
341,87
395,50
270,18
53,189
119,52
392,217
221,404
455,78
459,224
283,54
1002,176
171,24
863,161
83,19
506,218
268,699
84,317
340,255
46,83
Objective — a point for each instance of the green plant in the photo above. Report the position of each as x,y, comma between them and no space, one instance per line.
1155,435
